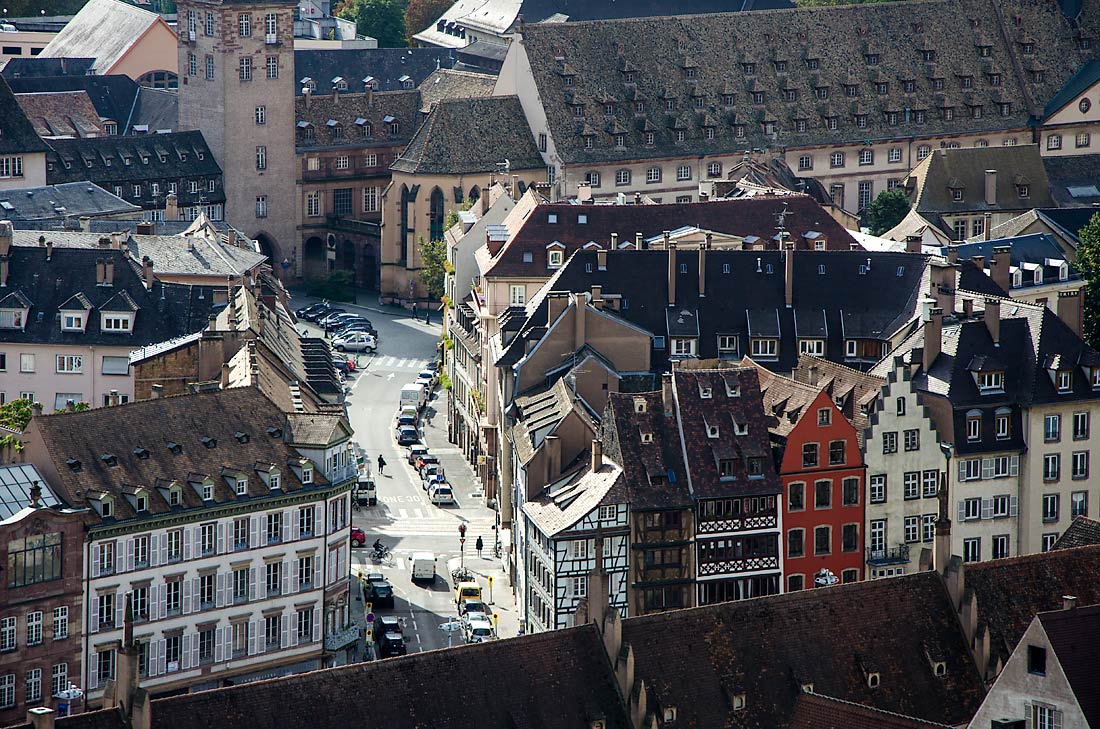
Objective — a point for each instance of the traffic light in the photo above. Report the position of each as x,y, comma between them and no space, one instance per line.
461,530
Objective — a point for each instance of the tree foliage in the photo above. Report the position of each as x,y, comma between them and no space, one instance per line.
885,211
422,13
1088,263
380,19
434,256
16,414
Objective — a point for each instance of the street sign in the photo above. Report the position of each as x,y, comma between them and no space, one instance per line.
370,617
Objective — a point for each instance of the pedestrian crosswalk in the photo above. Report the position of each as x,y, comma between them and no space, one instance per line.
389,362
402,561
423,522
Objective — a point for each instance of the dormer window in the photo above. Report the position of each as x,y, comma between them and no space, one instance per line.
116,323
1017,278
712,431
208,492
555,257
928,56
647,437
142,502
107,507
871,59
639,405
72,322
780,66
1064,381
989,382
175,496
974,425
1023,191
764,348
728,99
957,194
307,474
683,347
273,481
1096,378
241,487
704,393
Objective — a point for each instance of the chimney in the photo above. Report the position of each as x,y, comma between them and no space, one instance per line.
483,198
912,244
788,274
979,261
1069,602
601,260
3,270
147,272
638,241
1069,309
553,458
952,254
614,242
515,187
991,187
41,717
5,237
306,93
171,207
667,399
999,267
703,267
671,271
85,224
100,267
941,552
597,296
580,309
108,271
49,250
597,455
993,319
225,376
156,391
584,193
987,228
115,237
933,334
555,305
145,227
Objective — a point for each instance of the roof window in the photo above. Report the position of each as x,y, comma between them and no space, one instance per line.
141,453
209,442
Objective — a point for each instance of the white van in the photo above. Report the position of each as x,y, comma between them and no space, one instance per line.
441,494
412,395
423,566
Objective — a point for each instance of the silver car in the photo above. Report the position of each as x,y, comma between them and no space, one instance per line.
355,342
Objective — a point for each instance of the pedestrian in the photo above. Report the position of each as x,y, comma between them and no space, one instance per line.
381,464
479,545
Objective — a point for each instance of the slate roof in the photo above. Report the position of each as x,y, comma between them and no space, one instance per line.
697,660
653,472
872,304
1068,220
40,66
353,112
1010,592
1074,181
1027,250
114,96
56,202
930,184
814,711
445,143
61,114
452,84
105,30
818,47
17,134
387,65
1078,83
236,419
155,109
538,414
1081,532
566,501
169,310
537,11
1075,635
530,232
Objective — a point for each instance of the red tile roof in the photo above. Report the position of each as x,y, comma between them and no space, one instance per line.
823,712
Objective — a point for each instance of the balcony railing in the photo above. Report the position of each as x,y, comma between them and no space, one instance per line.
893,555
733,566
736,524
336,641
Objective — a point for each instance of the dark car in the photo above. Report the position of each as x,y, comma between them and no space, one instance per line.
315,315
381,593
355,327
407,435
392,644
307,311
331,314
387,624
433,366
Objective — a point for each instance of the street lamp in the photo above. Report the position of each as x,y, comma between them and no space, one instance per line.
462,545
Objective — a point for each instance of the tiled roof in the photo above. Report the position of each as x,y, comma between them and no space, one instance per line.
1027,250
61,114
1078,83
766,649
17,134
785,399
565,502
155,109
756,216
168,310
931,183
639,434
539,412
41,66
444,142
1010,592
451,84
814,711
140,435
1082,532
57,202
307,428
356,114
105,30
113,96
851,389
386,65
537,11
1075,635
805,51
1074,181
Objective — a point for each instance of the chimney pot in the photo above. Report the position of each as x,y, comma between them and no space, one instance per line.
41,717
703,266
912,244
999,267
638,241
49,250
1069,602
147,272
597,455
614,241
85,223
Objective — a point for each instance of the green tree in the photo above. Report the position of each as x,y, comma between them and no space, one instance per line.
422,13
885,211
380,19
16,414
1088,263
434,255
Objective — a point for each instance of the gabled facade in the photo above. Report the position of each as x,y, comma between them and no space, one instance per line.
1071,120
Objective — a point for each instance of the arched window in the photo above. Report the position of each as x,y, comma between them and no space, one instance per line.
475,193
404,223
435,215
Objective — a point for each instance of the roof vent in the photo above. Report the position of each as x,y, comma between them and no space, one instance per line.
141,453
209,442
74,465
873,680
109,459
241,436
274,432
175,447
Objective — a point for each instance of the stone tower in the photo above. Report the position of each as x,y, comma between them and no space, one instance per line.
236,70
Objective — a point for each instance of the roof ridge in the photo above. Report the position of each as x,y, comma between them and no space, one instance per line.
1026,558
875,709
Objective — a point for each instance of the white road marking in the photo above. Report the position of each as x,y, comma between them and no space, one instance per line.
402,514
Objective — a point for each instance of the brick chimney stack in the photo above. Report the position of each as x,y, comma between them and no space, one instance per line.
993,319
933,335
147,272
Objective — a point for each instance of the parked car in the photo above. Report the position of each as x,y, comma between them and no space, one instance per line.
467,591
414,451
429,470
387,624
330,316
339,320
473,606
355,342
358,537
424,460
433,366
392,644
406,421
426,374
306,311
343,364
381,593
441,494
479,631
346,320
354,328
315,314
407,435
426,382
471,616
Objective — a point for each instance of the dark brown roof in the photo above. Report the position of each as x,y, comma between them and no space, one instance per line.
354,113
934,179
766,649
824,712
1082,532
61,114
227,416
1075,637
1011,592
732,52
755,216
17,135
653,472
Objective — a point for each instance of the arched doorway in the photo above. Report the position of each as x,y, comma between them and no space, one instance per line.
435,215
313,253
370,266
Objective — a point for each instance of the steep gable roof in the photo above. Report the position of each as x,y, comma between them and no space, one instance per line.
1087,75
1081,532
17,134
1075,637
105,30
61,114
454,84
640,434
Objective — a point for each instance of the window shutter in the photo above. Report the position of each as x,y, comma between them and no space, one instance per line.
95,560
252,639
251,583
221,537
129,555
162,656
196,594
1013,506
962,471
185,652
194,649
316,625
284,568
1013,465
152,659
164,549
284,630
341,564
962,510
1029,712
286,525
296,578
162,598
318,519
295,523
219,589
987,468
196,536
120,554
227,641
1057,719
219,645
186,587
293,632
330,569
185,537
987,508
120,608
254,536
93,670
94,627
154,550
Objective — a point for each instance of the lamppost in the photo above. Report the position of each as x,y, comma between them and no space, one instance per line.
462,545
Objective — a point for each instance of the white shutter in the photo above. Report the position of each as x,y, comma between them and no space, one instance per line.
120,555
94,627
164,549
284,567
341,564
186,595
120,608
318,519
162,599
194,650
286,525
987,468
962,510
154,550
185,652
252,638
316,625
93,670
130,554
154,663
296,578
221,537
227,641
219,589
987,508
251,583
962,470
293,639
330,567
185,537
254,537
95,560
295,523
284,637
162,656
1013,506
196,535
219,645
1013,465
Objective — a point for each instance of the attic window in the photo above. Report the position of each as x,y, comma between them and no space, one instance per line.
704,393
528,257
109,459
209,442
741,429
174,447
873,680
241,436
74,465
739,702
242,486
939,668
208,492
273,481
639,405
712,431
142,502
174,496
141,453
274,432
807,688
108,507
669,715
647,437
